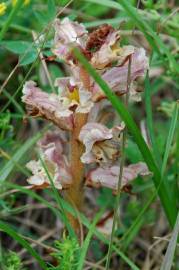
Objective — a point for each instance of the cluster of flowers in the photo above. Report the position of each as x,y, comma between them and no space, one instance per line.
80,96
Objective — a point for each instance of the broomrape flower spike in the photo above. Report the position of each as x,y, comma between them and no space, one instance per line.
85,148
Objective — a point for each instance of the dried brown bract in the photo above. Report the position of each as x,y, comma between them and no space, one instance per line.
97,38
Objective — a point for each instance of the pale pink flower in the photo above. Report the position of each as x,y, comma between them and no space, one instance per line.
48,106
109,176
67,35
57,108
116,77
105,225
110,52
79,97
55,137
55,162
101,144
107,53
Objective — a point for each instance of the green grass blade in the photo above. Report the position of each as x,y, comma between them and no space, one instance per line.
35,196
138,220
18,28
121,166
6,170
58,200
14,102
113,22
151,36
168,259
170,136
124,257
84,220
107,3
149,118
133,233
101,236
176,166
10,18
7,229
86,242
168,204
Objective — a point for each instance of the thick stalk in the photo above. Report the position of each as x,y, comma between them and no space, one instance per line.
75,192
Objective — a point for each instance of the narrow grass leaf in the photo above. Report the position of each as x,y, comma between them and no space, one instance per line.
7,169
84,220
138,220
121,166
168,259
167,202
107,3
58,200
170,136
113,21
51,9
7,229
86,242
133,233
14,102
18,28
149,118
10,18
151,36
101,236
35,196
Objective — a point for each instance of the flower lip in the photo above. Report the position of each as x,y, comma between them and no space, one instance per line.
108,53
101,143
116,77
55,161
79,97
108,176
48,106
68,33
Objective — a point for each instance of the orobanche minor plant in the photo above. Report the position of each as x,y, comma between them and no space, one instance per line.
86,147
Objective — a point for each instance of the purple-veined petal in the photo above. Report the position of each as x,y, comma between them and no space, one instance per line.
68,33
55,162
116,77
106,223
107,53
85,102
62,83
38,177
109,176
48,106
55,137
74,91
101,144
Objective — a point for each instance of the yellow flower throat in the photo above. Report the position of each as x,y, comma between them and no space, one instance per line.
74,95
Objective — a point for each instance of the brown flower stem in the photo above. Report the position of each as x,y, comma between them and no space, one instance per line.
85,78
75,193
